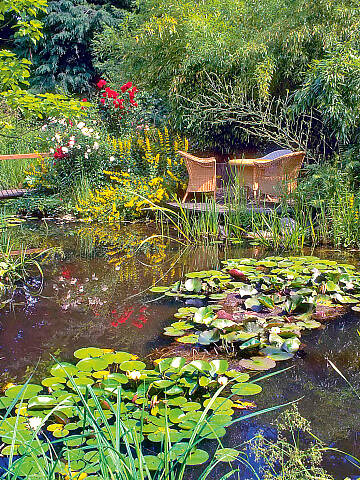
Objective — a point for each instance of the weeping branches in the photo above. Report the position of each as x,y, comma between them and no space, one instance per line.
271,120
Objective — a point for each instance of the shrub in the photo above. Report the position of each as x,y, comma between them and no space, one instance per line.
128,200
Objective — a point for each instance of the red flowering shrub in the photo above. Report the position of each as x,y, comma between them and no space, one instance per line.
116,105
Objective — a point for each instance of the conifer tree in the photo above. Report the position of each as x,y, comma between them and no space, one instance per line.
62,57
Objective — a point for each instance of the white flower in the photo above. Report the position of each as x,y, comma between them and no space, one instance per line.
78,147
80,125
275,330
65,149
88,150
44,127
134,375
86,156
112,159
52,150
223,380
96,146
58,137
35,423
86,132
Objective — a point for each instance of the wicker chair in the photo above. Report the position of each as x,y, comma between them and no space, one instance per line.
202,174
272,174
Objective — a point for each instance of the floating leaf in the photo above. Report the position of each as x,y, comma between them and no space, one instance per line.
226,454
132,365
258,363
88,352
276,354
246,389
23,391
159,289
188,339
193,285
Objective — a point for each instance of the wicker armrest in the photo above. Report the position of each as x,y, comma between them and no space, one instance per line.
196,159
246,162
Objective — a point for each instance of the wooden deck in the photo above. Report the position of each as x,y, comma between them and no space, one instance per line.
13,193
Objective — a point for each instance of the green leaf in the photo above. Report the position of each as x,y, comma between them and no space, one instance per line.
226,454
246,389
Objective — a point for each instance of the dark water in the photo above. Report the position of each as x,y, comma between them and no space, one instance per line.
95,294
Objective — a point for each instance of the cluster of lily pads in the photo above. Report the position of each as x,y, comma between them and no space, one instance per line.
259,308
166,400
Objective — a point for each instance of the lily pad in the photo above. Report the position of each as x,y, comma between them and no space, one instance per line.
246,389
258,363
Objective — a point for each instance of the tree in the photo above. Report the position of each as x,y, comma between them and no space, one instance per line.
62,57
261,48
15,71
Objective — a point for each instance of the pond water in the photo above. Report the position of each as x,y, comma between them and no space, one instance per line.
95,294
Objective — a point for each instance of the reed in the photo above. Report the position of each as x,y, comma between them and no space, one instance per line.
121,451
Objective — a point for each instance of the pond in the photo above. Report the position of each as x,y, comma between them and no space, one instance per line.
96,293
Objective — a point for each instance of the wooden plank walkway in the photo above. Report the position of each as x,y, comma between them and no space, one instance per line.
13,193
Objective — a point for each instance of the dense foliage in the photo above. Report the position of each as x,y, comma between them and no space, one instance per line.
261,49
62,58
15,71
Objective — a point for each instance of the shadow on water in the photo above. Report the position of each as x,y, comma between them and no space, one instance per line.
96,294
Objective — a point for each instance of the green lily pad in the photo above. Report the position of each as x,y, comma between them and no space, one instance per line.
192,339
258,363
132,365
152,462
226,454
159,289
64,369
246,389
23,391
90,364
276,354
88,352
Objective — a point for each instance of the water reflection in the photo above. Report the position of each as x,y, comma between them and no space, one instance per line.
97,295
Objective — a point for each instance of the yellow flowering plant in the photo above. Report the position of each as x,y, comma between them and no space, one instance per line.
129,197
151,153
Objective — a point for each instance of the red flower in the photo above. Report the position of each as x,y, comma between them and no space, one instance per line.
101,83
126,86
58,153
84,100
102,101
66,273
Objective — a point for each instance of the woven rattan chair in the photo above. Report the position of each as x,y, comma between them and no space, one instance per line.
202,174
271,176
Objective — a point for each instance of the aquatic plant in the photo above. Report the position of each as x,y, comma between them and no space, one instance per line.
296,454
95,417
16,268
257,309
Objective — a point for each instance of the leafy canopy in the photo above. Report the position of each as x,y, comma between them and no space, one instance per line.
15,71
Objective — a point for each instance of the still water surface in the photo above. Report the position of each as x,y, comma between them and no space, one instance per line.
95,294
